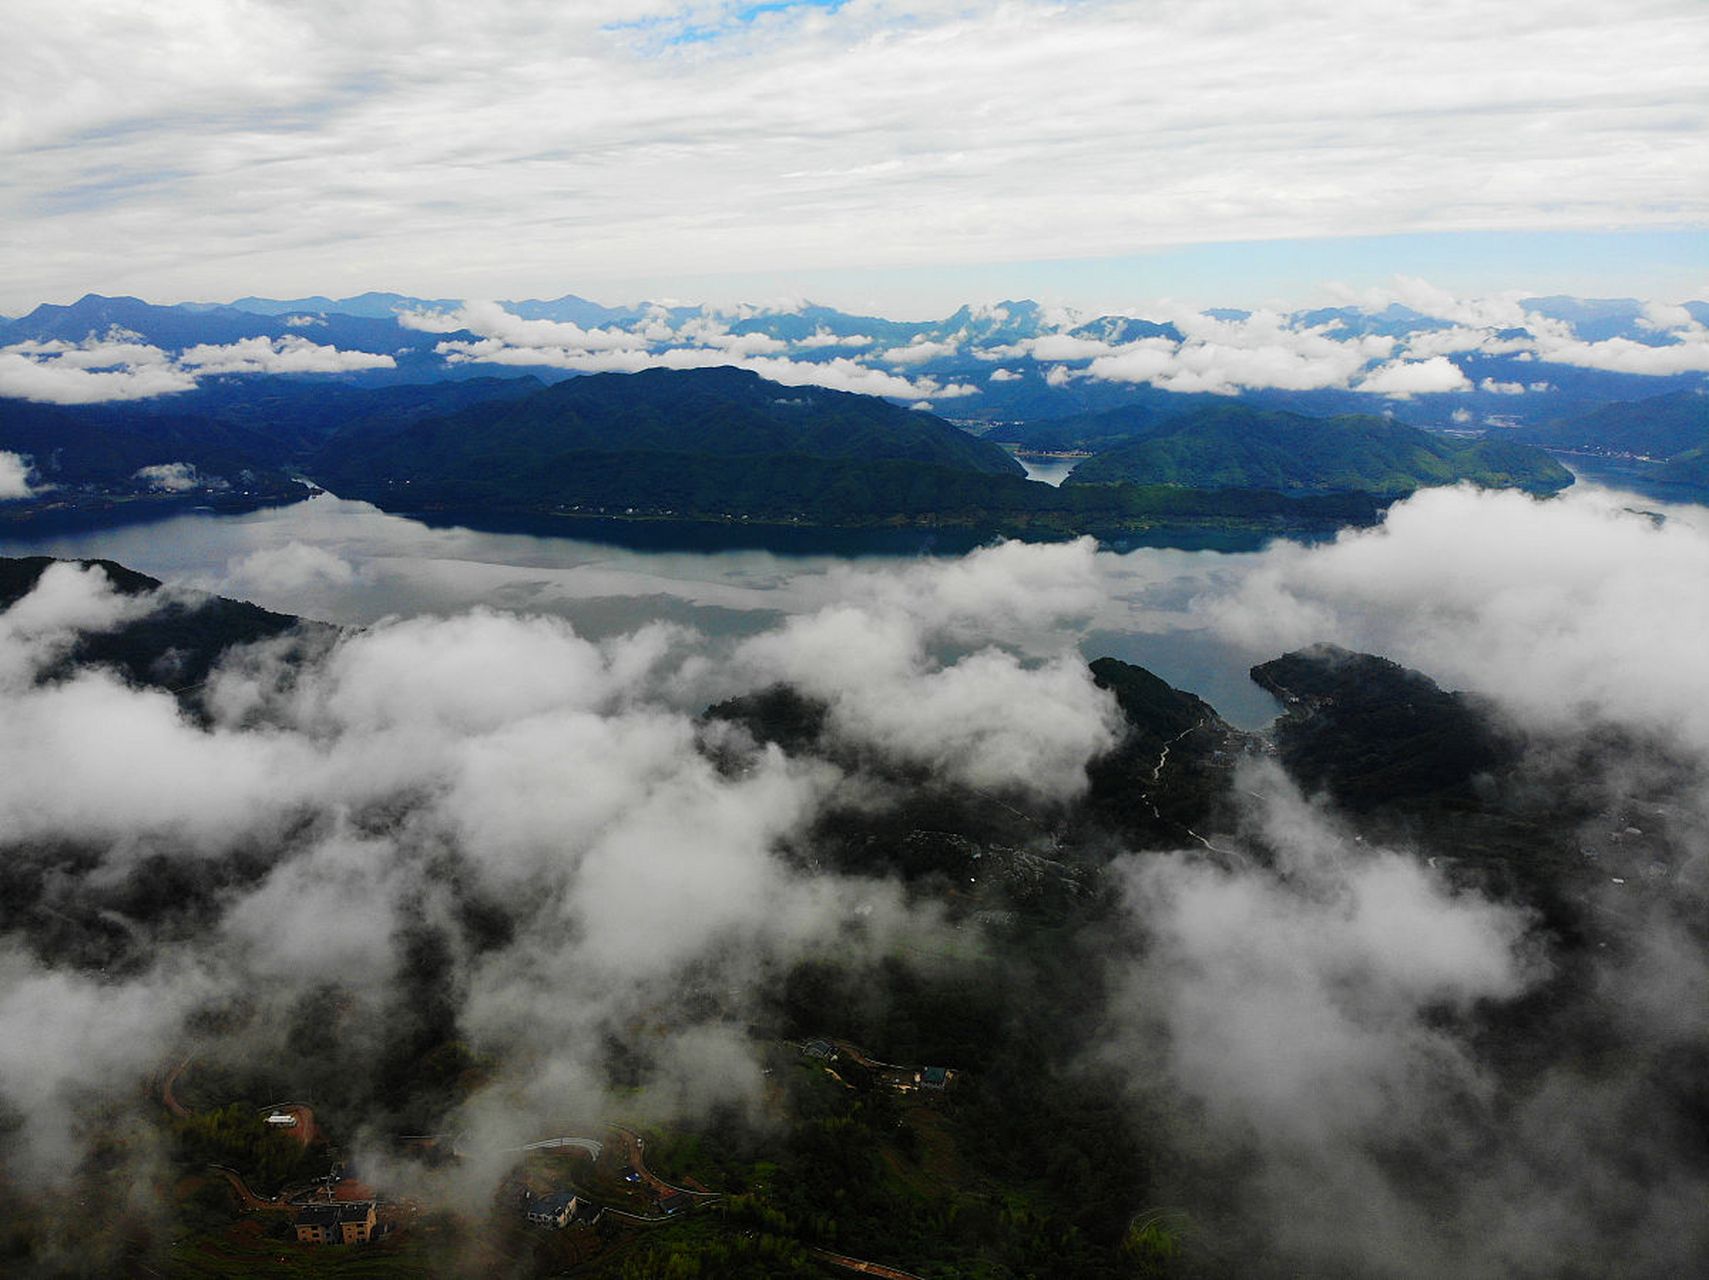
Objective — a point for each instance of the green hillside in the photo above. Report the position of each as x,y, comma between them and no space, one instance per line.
1150,410
705,413
1657,427
1235,446
1690,468
97,445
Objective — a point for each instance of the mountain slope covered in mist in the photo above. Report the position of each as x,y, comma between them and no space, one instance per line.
1204,1002
172,645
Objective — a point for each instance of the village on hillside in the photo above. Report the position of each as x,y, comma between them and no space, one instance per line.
278,1183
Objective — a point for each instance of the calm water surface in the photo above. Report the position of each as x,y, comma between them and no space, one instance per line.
1052,471
350,563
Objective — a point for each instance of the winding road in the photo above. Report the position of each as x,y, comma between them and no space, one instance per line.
176,1107
588,1145
248,1198
1157,776
634,1147
862,1267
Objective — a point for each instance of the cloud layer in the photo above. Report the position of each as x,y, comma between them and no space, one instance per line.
369,788
1559,609
649,140
495,816
119,366
15,472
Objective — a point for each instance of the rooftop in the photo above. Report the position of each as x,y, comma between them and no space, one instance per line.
328,1215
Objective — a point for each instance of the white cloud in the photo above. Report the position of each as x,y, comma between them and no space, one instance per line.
1431,300
1493,387
298,569
118,366
1260,351
1448,342
708,331
1415,377
508,760
823,337
987,719
1665,317
1064,346
1460,583
1622,355
1311,1014
89,372
654,160
920,351
1005,375
15,472
601,351
289,354
492,321
170,477
1477,322
1299,1002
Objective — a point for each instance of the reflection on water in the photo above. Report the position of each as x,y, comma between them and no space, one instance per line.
1051,471
350,563
1632,476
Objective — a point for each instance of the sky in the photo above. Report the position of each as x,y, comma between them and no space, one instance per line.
894,157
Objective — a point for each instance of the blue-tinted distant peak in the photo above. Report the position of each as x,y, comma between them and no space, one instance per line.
371,306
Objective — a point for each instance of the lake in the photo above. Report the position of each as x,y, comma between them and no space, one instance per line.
350,563
1052,471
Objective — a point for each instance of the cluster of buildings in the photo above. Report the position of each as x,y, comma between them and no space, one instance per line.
558,1209
351,1222
889,1075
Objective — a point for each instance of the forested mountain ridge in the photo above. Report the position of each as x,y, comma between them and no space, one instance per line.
1235,446
720,412
1670,430
725,443
1368,731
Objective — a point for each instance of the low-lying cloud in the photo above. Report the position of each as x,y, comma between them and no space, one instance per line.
1314,1027
170,477
537,830
701,342
100,369
289,354
1561,609
15,472
376,784
88,372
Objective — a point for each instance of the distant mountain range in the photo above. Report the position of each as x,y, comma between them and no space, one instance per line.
809,415
1533,362
724,443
